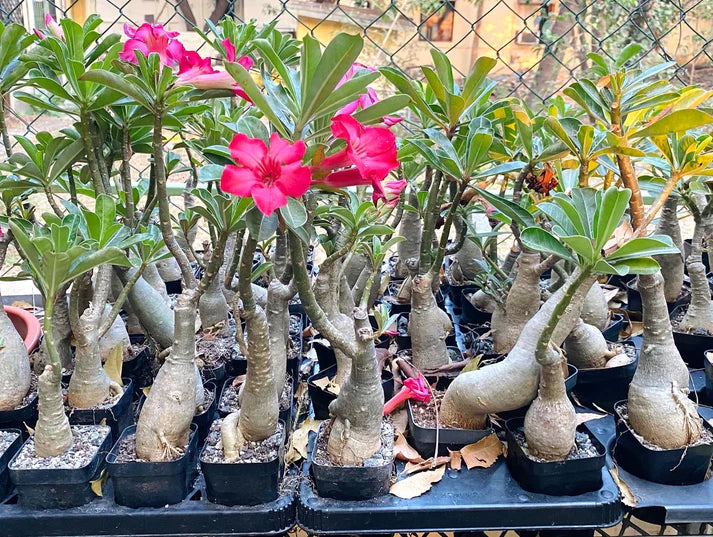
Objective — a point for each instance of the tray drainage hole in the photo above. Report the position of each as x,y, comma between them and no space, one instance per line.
607,494
523,498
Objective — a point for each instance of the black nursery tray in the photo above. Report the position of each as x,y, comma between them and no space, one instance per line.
465,500
661,504
193,516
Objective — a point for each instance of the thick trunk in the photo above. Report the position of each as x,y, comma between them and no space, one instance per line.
133,326
357,411
53,436
428,326
551,422
153,278
595,310
168,269
153,313
15,371
164,424
213,306
61,333
658,404
410,228
465,266
278,322
116,335
586,347
671,264
511,383
522,303
699,315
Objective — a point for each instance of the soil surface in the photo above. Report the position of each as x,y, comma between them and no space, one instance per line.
109,402
229,399
31,393
385,455
136,349
706,435
127,451
424,414
252,452
6,438
583,447
214,350
87,440
676,321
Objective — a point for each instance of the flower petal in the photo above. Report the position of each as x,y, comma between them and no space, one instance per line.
294,180
268,198
346,127
285,152
247,151
238,181
229,49
345,178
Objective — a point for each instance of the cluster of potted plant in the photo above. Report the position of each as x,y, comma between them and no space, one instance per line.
377,222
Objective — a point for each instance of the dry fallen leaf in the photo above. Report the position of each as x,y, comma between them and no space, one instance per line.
456,460
298,440
114,363
413,467
399,419
583,417
23,305
610,292
237,381
418,484
627,497
634,328
621,234
30,430
327,385
146,390
98,484
483,453
404,452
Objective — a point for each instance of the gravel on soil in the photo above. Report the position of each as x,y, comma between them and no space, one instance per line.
583,448
252,452
383,456
6,438
87,440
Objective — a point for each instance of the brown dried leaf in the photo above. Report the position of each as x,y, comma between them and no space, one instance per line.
413,467
298,440
238,381
146,390
418,484
404,452
23,305
583,417
98,484
114,363
621,234
627,496
399,419
327,385
456,460
30,430
483,453
634,328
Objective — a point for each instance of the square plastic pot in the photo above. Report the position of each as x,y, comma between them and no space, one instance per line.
118,416
19,417
556,478
60,488
205,418
9,453
605,386
152,484
470,314
611,332
691,346
680,466
139,369
244,483
350,482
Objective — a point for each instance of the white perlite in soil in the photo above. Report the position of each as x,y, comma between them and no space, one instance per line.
252,452
6,438
87,439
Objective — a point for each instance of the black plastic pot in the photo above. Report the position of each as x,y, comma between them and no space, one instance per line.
325,355
404,341
455,293
469,313
205,418
708,365
350,482
9,453
215,374
691,346
139,369
321,398
18,418
557,478
620,281
152,484
682,466
243,483
59,488
174,287
605,386
118,416
616,323
424,438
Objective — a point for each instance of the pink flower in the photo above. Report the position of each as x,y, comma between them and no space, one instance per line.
197,71
39,33
413,388
393,191
371,150
53,28
230,51
365,100
149,38
266,174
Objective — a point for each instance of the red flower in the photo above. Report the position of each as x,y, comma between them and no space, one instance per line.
365,100
230,51
372,151
149,38
197,71
267,175
393,191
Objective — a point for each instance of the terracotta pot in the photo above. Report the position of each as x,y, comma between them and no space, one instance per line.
26,324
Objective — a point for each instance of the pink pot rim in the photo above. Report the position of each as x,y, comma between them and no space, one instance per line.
34,328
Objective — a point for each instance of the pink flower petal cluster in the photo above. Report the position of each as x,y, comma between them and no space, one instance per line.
52,27
198,72
365,100
149,38
266,174
368,158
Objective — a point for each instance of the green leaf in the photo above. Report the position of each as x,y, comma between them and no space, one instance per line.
500,169
609,213
539,240
581,245
481,68
678,121
631,50
294,214
641,265
261,227
117,83
645,247
253,127
508,208
210,172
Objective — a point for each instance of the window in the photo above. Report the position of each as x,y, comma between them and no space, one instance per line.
438,25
